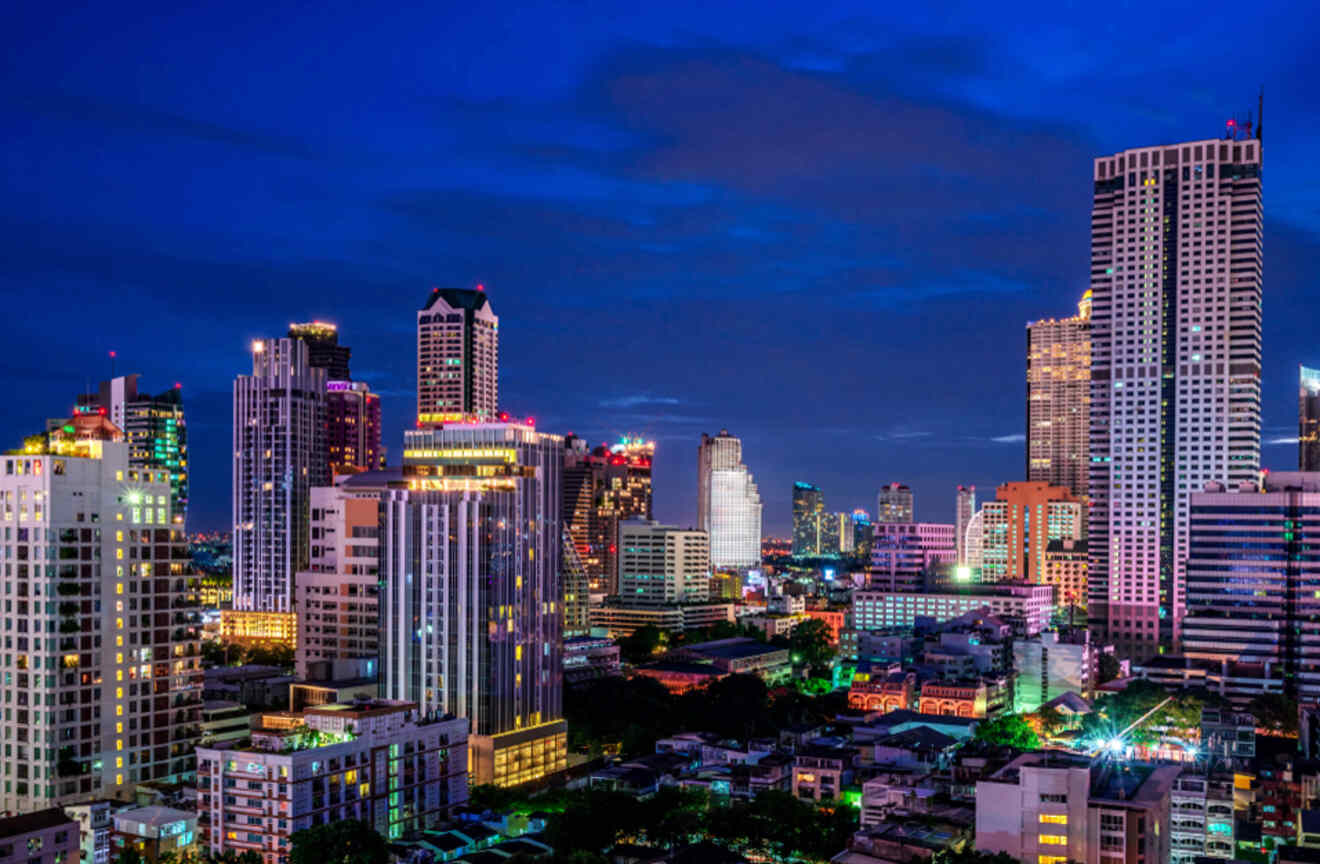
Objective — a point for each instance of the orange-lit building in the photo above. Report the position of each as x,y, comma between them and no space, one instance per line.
833,619
1059,400
953,698
883,690
1017,527
679,677
1065,569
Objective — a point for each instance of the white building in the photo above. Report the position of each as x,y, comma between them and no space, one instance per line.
728,503
102,677
1048,667
1175,367
661,565
1026,607
964,509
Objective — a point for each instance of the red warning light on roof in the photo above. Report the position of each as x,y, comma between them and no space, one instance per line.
113,354
481,287
178,386
531,421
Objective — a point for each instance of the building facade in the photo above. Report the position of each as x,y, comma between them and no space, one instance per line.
728,503
1026,607
279,456
42,837
1175,367
894,504
964,510
1018,526
601,488
323,348
470,559
660,565
1308,419
903,553
352,435
808,512
1065,569
1059,400
110,695
458,356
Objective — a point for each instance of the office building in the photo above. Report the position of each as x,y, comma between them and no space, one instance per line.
338,595
619,621
1253,578
1308,419
863,534
1059,400
964,510
44,837
846,534
576,588
103,675
352,437
894,504
808,513
477,513
728,503
904,554
1027,608
601,488
972,545
323,348
1018,526
380,762
153,427
279,456
1054,807
458,356
1175,368
660,565
1050,664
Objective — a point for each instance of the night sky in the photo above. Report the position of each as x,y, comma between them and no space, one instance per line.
820,227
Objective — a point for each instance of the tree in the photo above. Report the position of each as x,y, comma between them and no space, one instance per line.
130,855
1009,730
1275,712
810,645
1109,668
971,856
644,643
348,841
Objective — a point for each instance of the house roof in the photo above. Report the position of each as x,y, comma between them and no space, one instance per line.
1071,702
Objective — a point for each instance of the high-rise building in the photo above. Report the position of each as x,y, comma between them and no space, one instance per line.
1065,569
352,415
863,533
1059,400
1253,578
973,539
323,348
603,487
808,510
904,554
728,502
338,597
964,509
153,427
894,504
1018,525
101,694
1308,419
471,551
279,456
846,534
458,356
1175,368
660,565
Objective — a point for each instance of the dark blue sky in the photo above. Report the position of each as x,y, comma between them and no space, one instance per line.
821,226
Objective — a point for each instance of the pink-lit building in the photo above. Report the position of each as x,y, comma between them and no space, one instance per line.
902,552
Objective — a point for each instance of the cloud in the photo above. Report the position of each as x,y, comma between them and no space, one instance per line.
1282,440
902,434
1016,438
638,400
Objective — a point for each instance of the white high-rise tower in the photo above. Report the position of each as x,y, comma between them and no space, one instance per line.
728,502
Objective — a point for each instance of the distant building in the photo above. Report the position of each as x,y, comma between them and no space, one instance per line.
352,427
619,622
223,720
587,658
661,565
883,689
965,698
323,348
1049,665
1018,525
458,357
903,553
1026,607
894,504
1202,819
1059,400
1308,420
808,512
964,510
603,487
863,534
728,503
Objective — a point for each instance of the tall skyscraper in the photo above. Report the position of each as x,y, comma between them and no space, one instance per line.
1175,367
660,565
808,510
1253,578
603,487
100,695
1308,419
843,530
323,348
470,563
894,504
154,429
964,509
458,356
352,421
728,502
1059,400
1018,526
279,455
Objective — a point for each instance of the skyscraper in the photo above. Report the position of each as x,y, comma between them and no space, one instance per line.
323,348
1308,419
964,509
1018,526
470,564
862,534
602,488
894,504
458,356
1175,367
1059,399
154,429
728,502
808,510
352,421
279,455
100,696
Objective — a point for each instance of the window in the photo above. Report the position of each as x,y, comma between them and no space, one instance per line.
1052,840
1053,819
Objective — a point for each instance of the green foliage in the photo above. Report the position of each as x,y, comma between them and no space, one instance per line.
810,645
643,645
345,842
1109,668
972,856
1275,712
1010,730
130,855
488,796
1116,711
276,654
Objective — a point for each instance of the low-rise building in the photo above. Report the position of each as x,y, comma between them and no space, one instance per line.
1050,664
974,697
587,658
42,837
1201,818
775,625
1026,606
619,622
834,619
223,720
94,824
820,773
884,689
153,832
743,656
379,762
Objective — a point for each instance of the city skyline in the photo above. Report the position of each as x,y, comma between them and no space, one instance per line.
949,299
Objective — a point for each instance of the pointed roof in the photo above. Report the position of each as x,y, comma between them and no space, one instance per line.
457,298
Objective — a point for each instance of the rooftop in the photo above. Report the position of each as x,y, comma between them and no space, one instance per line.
736,648
37,821
154,816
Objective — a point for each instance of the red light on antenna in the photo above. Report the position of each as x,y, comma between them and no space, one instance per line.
178,386
113,354
481,287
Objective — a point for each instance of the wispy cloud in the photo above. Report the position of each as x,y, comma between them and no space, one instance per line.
638,399
1282,440
902,433
1016,438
